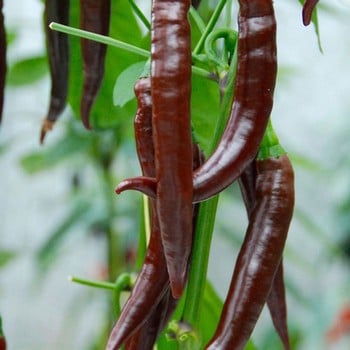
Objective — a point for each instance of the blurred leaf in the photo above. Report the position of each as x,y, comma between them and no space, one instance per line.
48,250
71,143
27,71
305,162
11,36
6,256
124,87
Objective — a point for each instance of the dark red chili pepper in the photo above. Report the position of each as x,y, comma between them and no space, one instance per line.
94,17
260,254
254,87
276,303
276,300
308,8
2,337
58,55
146,336
3,66
153,280
171,89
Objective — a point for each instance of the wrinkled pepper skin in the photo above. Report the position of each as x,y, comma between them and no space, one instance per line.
253,98
58,56
276,303
171,91
308,8
94,17
3,65
260,254
276,300
153,280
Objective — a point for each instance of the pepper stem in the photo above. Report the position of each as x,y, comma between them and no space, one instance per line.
270,146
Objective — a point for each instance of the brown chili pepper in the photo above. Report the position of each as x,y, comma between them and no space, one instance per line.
58,55
260,254
171,90
308,8
94,17
276,300
253,95
3,65
153,280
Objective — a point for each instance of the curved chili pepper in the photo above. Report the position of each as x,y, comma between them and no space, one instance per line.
253,98
308,8
3,65
276,300
260,253
171,90
94,17
153,280
58,55
152,285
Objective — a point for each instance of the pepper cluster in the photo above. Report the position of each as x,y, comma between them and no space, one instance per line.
175,174
248,151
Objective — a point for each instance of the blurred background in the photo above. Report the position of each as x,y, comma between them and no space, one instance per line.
59,215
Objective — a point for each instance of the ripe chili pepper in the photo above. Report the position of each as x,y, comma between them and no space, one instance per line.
94,17
276,303
3,66
276,300
171,89
58,55
260,254
254,87
308,8
153,280
2,337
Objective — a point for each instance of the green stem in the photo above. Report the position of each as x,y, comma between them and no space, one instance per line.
116,43
211,24
95,284
206,216
140,14
270,146
197,19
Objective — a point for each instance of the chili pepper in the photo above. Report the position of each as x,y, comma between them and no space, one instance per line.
3,66
308,8
153,280
58,56
260,254
171,89
276,300
94,17
254,87
276,303
152,285
2,337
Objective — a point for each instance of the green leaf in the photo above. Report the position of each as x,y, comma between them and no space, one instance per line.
27,71
6,256
48,250
124,87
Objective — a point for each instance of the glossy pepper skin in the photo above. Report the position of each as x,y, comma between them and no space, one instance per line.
171,90
94,17
260,254
276,300
58,56
253,98
3,65
153,280
308,8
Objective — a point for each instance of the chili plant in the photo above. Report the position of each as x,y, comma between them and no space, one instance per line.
184,167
